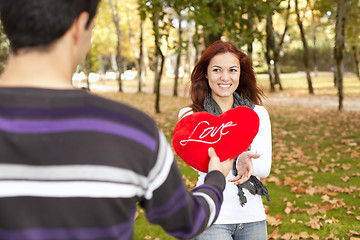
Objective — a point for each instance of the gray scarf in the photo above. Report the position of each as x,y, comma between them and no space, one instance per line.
253,185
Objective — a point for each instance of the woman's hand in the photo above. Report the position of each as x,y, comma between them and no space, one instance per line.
244,167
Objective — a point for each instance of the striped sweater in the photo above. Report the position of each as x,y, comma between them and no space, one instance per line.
74,166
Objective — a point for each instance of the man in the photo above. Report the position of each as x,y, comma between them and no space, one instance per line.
74,165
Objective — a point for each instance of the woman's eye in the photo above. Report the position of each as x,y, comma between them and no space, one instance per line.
233,70
216,70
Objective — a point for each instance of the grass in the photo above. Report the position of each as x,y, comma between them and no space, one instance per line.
315,179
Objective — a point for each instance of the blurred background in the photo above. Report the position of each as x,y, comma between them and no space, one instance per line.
138,44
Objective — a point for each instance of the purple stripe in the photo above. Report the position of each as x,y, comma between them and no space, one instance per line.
80,124
178,200
198,223
76,234
216,192
69,112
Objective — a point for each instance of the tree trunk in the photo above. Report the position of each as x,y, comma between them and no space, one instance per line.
116,20
270,72
159,56
277,72
278,46
156,38
158,80
315,55
269,49
141,57
354,50
136,52
250,26
339,49
178,58
196,42
87,67
306,49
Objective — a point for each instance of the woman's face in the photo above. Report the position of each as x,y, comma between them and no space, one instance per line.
223,74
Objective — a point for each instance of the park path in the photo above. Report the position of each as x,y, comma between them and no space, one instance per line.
272,99
321,102
314,102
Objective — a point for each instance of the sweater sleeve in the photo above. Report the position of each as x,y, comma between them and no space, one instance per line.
182,213
262,144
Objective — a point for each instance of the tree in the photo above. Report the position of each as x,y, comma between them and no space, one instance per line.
305,46
352,32
339,48
269,47
208,16
178,56
4,48
156,11
179,8
141,56
274,46
116,19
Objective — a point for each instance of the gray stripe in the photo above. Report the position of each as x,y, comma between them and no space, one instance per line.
161,157
72,172
160,171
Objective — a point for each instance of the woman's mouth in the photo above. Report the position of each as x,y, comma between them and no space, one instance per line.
224,86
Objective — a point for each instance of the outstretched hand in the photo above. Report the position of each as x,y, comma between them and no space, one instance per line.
244,167
215,164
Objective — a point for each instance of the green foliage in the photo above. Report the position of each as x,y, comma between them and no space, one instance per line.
261,69
288,69
324,58
4,48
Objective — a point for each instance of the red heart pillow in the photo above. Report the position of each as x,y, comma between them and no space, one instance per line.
229,134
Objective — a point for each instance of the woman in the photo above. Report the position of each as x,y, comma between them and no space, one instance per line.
222,79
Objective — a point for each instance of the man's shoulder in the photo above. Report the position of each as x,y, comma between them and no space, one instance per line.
122,111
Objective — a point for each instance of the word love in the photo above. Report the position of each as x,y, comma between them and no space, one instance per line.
229,134
215,133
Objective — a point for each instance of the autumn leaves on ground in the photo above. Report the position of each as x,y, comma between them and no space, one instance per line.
315,178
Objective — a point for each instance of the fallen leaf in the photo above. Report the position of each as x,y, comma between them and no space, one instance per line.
352,233
304,235
290,208
314,236
314,223
345,179
275,180
273,221
346,167
274,234
288,236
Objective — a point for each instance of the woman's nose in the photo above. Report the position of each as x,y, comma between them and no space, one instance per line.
224,76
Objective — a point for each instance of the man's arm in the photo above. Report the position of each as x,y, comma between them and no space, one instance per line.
181,213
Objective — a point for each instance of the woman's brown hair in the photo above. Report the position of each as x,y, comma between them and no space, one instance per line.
200,86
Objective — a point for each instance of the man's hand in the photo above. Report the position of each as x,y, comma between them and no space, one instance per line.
215,164
244,167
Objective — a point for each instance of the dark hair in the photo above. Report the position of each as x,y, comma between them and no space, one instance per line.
200,86
38,23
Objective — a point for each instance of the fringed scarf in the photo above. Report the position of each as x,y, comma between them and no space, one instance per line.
253,185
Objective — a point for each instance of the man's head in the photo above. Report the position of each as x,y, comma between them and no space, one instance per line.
39,23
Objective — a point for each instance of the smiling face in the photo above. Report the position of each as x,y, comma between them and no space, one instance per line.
223,74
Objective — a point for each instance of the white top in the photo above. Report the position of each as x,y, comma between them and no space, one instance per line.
231,211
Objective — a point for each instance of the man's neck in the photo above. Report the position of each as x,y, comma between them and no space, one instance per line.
37,69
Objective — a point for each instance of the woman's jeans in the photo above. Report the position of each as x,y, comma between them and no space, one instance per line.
240,231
